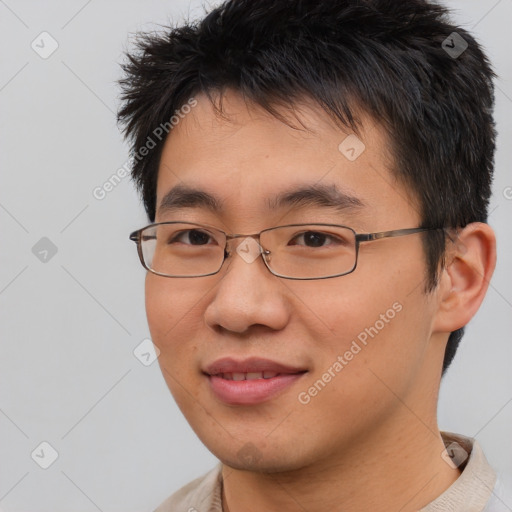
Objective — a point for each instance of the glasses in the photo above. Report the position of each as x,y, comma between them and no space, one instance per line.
294,251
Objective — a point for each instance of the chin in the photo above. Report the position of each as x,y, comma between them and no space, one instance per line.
261,466
250,457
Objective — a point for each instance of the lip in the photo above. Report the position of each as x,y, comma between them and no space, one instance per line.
251,364
254,391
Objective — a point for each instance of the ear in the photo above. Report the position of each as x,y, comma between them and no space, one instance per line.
470,262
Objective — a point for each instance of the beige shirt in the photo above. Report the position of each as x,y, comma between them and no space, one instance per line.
473,491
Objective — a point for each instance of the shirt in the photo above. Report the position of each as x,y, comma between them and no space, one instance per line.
475,490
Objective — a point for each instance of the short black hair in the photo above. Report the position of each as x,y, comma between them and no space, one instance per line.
426,81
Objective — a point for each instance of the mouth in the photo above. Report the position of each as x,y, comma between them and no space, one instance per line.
247,376
251,381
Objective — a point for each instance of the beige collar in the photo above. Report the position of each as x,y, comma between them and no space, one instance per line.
473,489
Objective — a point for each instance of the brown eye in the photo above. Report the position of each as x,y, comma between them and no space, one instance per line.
315,239
191,237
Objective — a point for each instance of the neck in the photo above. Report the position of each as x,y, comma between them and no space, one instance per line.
399,469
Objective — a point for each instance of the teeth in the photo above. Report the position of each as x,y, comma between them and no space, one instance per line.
249,376
253,375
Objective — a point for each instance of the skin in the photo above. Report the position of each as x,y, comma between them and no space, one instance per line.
369,440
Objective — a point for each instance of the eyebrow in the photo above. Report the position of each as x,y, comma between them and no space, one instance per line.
182,196
316,195
319,195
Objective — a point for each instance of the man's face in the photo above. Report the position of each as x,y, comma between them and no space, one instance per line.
355,348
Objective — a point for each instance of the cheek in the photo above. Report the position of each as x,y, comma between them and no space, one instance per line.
171,312
348,308
170,306
160,316
380,325
364,357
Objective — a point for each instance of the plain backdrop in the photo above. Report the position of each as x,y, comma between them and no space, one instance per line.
71,286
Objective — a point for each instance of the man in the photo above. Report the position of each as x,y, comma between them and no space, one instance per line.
317,176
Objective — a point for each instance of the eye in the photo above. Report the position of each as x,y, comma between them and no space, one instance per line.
190,237
316,239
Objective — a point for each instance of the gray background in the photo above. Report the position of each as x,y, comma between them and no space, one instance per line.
68,375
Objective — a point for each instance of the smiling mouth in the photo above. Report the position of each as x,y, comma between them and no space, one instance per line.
247,376
250,382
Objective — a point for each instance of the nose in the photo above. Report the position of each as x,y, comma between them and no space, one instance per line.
247,294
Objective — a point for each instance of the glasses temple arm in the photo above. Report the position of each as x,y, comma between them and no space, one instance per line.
368,237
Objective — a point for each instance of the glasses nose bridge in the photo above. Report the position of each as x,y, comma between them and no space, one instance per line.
265,253
234,236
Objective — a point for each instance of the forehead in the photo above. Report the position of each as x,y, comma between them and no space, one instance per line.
248,159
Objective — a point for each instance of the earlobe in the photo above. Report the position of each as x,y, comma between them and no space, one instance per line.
470,263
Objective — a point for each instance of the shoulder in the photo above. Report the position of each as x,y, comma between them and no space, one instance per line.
202,494
501,499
